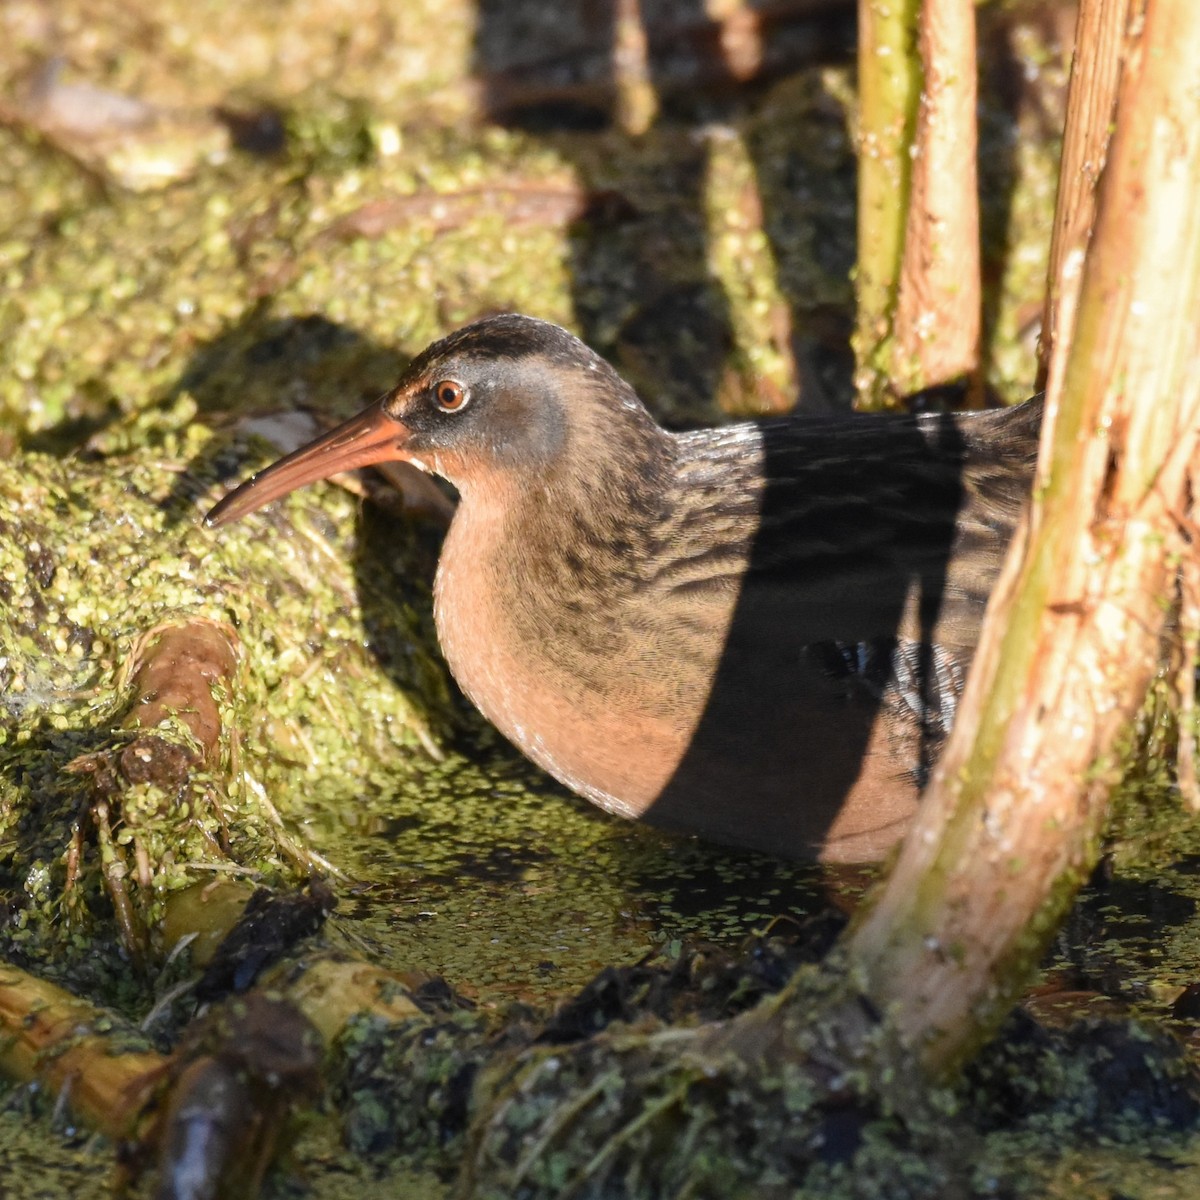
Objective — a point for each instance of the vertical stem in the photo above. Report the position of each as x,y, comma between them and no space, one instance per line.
1092,94
760,376
939,306
636,102
889,83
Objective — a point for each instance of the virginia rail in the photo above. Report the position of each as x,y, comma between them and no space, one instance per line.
756,633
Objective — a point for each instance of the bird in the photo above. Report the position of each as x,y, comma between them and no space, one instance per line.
756,632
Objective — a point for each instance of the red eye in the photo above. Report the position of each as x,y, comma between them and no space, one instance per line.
450,395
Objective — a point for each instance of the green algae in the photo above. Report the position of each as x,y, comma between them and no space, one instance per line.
223,245
789,1092
108,293
93,558
148,317
513,890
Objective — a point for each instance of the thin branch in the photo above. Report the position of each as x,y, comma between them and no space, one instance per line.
1091,98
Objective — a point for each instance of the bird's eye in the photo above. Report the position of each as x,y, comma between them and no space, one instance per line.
450,395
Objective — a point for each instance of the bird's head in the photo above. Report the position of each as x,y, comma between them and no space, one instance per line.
504,396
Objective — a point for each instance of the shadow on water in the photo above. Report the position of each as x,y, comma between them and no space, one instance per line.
645,294
289,372
675,314
269,364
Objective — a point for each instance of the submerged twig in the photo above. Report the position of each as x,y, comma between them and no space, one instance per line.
62,1041
517,203
216,1105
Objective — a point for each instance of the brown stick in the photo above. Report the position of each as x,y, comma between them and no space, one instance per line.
74,1047
175,667
518,203
1091,97
171,672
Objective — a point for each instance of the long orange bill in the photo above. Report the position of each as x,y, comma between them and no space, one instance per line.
371,437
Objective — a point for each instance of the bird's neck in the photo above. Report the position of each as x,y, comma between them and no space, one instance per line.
553,560
586,516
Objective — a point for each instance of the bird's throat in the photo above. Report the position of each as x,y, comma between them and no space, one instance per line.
539,591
